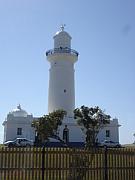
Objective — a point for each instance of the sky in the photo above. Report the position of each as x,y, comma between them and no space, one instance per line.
103,32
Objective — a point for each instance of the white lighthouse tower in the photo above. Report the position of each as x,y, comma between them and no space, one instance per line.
61,82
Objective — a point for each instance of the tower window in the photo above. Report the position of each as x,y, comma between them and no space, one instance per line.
65,91
107,133
19,131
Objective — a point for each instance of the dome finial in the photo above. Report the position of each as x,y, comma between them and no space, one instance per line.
62,27
19,106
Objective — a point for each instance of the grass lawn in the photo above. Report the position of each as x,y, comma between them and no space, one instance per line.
1,145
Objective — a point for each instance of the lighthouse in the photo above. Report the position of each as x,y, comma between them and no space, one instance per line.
61,94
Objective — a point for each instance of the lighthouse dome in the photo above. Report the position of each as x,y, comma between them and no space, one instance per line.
18,112
62,39
62,33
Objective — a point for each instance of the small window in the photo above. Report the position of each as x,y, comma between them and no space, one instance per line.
19,131
65,91
107,133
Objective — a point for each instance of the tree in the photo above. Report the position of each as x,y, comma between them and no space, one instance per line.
134,137
47,125
92,119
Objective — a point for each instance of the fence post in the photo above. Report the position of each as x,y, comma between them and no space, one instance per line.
43,162
106,169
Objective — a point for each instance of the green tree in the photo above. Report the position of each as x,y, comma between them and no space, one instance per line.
134,137
92,120
47,125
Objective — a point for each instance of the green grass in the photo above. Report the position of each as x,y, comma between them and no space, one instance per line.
1,145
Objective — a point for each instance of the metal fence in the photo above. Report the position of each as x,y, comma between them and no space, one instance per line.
67,164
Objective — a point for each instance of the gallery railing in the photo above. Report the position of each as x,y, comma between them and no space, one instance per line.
62,50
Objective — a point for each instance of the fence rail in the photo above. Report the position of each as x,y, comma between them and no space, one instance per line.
67,164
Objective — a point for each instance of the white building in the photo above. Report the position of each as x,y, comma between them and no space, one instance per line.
61,95
18,124
110,131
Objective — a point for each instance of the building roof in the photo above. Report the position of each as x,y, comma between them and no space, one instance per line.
19,112
62,33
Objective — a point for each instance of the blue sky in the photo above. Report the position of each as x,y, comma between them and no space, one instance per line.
103,32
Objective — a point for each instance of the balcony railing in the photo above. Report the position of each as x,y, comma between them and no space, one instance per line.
62,50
